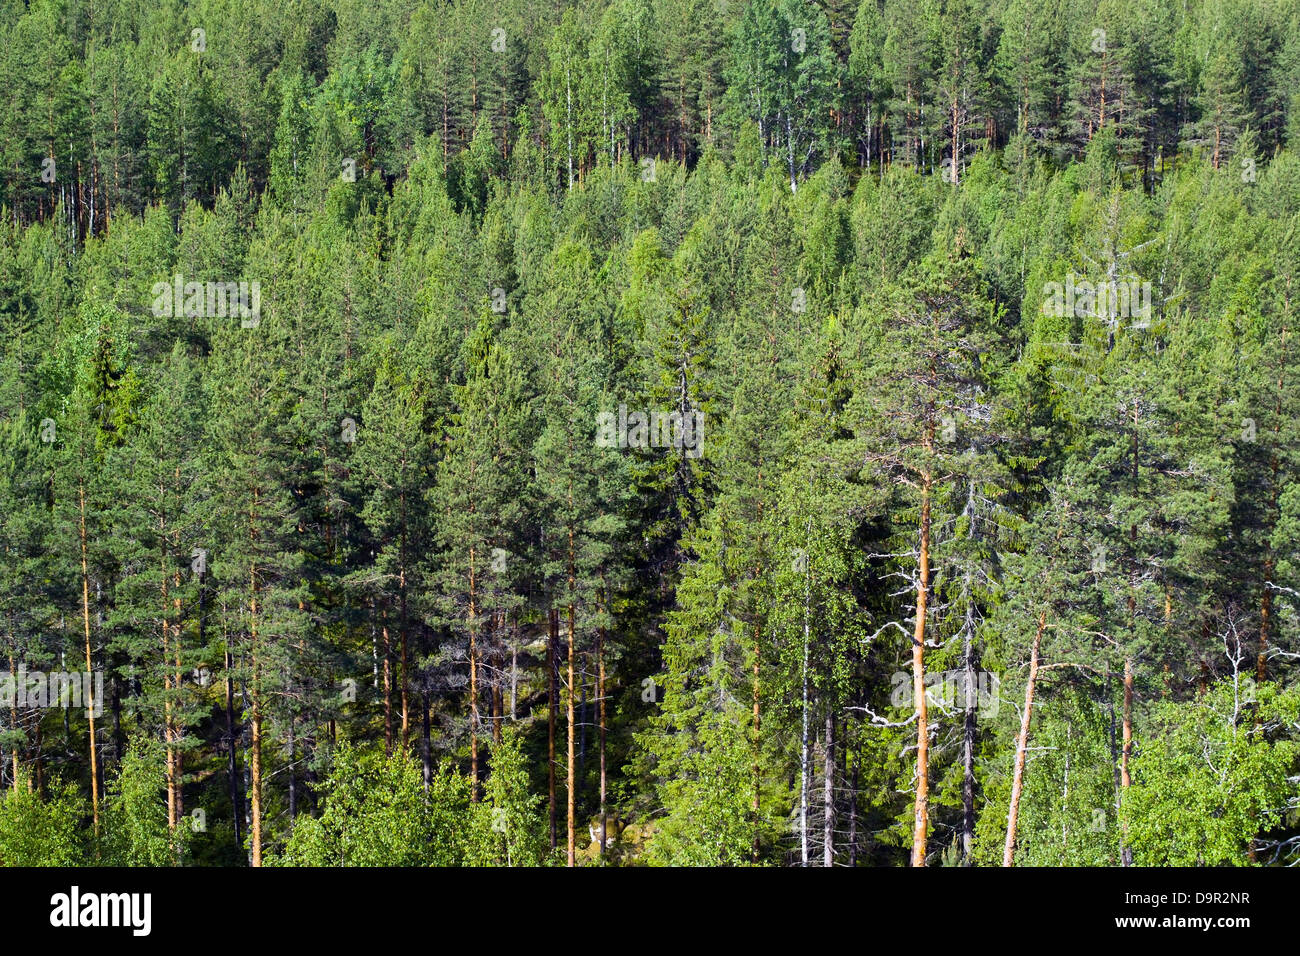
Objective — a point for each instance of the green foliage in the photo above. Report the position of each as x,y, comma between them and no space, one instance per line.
134,827
1212,774
709,824
315,554
375,811
509,829
41,831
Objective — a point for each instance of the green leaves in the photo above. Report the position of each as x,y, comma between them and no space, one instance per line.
135,813
1212,774
41,831
376,812
781,78
508,825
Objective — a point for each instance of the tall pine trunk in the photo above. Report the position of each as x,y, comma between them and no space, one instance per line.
921,809
473,683
256,834
388,685
90,694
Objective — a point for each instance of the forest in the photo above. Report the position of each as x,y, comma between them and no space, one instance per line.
649,432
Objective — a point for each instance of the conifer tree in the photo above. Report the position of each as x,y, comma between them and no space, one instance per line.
936,328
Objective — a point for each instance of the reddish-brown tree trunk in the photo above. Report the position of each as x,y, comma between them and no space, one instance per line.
921,809
388,688
256,721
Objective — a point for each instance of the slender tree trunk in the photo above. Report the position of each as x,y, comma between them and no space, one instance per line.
600,694
1101,118
1125,780
553,638
968,755
921,809
803,735
232,763
90,703
473,683
584,716
404,677
1022,744
568,101
426,742
828,791
789,148
956,143
169,762
293,776
388,686
1265,616
498,694
853,801
572,781
256,834
514,666
970,698
13,712
178,760
498,711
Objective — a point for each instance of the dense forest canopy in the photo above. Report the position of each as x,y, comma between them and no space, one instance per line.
853,432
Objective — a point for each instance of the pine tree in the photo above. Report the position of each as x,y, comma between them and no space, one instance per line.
163,547
257,558
478,504
914,403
